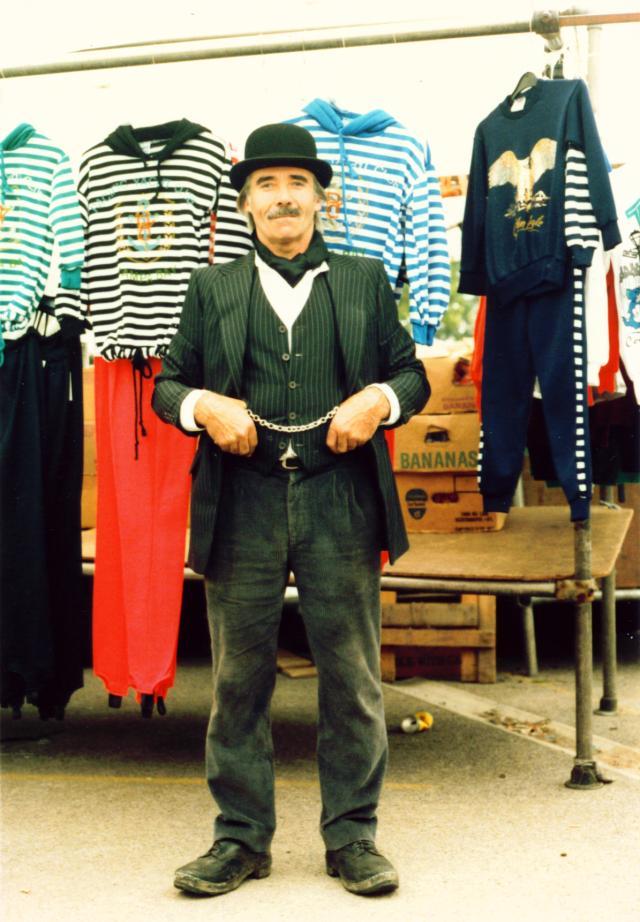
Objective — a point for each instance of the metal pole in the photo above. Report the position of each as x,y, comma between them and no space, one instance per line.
526,608
266,43
584,774
476,587
305,40
594,33
609,699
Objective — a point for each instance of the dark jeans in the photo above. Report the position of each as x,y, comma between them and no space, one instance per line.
326,529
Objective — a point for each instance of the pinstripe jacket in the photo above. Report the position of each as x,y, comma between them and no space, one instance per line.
208,351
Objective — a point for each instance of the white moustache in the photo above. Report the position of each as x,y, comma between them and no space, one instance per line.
284,212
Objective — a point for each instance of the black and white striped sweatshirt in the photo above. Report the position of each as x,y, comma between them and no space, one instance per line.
156,203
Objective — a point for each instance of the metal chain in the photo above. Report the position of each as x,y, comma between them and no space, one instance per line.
305,428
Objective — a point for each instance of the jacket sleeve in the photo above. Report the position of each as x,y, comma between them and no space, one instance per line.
398,364
182,369
472,262
582,133
426,255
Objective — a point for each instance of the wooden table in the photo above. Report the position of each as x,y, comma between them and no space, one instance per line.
534,554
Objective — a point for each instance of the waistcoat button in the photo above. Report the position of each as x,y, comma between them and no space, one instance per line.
292,385
285,356
292,415
282,328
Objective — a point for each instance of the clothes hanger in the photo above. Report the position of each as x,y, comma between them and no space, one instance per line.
526,82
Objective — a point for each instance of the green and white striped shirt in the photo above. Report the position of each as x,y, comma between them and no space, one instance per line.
38,206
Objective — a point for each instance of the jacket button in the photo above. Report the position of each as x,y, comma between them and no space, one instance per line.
292,385
292,415
285,356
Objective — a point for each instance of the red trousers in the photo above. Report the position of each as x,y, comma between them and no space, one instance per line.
141,531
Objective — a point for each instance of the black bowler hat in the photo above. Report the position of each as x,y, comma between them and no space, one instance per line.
281,144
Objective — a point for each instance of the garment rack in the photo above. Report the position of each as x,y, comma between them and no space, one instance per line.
545,23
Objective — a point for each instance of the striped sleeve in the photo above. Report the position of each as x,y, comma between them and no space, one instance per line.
426,256
230,235
66,221
581,230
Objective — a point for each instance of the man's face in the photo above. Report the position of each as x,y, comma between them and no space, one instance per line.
283,204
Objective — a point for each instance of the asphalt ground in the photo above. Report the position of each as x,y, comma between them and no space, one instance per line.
100,808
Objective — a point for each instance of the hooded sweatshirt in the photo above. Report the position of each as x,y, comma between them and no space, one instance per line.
38,206
156,203
384,202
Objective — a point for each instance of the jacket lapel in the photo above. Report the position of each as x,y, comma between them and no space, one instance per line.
347,293
233,295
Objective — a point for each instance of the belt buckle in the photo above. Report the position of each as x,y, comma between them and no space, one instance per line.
294,466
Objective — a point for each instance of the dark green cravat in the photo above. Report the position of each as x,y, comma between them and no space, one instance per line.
292,270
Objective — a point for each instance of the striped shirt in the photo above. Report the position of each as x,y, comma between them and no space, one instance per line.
38,207
384,202
149,221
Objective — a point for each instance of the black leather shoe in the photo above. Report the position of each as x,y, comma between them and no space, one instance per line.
223,868
362,869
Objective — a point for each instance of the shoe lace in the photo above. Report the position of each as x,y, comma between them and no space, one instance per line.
213,851
360,846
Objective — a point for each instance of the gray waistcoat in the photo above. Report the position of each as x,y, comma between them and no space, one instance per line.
294,386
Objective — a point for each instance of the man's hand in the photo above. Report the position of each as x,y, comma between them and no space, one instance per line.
357,420
227,422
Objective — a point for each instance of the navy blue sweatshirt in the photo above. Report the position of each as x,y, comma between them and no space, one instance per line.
513,233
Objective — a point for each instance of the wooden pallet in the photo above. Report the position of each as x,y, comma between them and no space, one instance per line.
439,639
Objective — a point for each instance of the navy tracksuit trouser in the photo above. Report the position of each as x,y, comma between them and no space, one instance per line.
541,336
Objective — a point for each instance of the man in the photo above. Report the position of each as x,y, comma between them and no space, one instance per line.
288,360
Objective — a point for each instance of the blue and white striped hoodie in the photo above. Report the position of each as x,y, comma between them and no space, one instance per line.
38,205
384,201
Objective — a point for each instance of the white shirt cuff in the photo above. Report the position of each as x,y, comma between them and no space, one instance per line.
187,420
394,403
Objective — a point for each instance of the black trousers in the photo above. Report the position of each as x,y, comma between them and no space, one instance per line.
40,503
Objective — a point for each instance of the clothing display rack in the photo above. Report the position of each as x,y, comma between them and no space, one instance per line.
580,588
546,23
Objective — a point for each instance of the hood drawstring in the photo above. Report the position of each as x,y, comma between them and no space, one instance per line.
141,368
159,188
345,164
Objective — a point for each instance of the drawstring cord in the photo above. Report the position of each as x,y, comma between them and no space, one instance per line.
141,368
159,189
345,162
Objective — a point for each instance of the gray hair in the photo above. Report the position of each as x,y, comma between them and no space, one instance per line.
243,194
